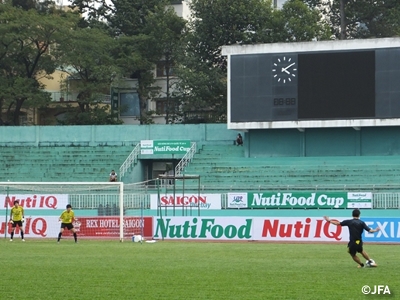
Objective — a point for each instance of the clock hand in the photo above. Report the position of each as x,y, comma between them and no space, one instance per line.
285,69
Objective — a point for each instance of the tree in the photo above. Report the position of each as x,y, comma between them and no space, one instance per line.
134,24
25,56
165,29
202,70
19,62
361,19
299,23
213,24
87,59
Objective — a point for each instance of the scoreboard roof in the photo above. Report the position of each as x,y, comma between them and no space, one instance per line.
333,45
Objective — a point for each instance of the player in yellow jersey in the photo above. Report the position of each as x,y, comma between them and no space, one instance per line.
17,217
66,218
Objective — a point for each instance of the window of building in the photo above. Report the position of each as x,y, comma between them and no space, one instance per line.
129,103
162,106
162,69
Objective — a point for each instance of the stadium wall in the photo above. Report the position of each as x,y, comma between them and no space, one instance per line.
314,142
365,141
113,135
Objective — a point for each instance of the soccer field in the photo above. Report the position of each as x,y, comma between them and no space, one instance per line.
43,269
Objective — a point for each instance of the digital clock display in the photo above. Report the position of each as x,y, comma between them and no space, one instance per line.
284,101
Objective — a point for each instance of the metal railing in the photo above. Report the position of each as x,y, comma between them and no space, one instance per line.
133,158
251,187
386,189
63,96
94,201
386,200
73,96
186,159
129,161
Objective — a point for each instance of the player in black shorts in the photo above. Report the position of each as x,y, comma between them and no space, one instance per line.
17,218
356,228
66,218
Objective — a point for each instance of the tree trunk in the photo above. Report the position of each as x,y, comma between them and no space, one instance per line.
142,100
83,101
167,66
342,20
1,110
17,111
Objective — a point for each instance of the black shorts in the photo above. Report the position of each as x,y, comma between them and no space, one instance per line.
69,226
15,223
355,246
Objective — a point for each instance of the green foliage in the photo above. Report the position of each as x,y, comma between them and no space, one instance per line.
361,19
191,270
127,38
203,71
226,22
150,32
25,56
93,114
374,18
24,4
146,32
301,24
88,61
166,29
201,89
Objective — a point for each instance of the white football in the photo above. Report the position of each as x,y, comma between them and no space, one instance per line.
370,263
137,238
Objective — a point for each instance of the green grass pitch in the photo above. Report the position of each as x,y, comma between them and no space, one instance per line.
43,269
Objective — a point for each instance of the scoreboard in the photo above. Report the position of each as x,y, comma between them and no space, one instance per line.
314,84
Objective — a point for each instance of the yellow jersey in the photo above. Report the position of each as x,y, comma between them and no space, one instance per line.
17,213
67,217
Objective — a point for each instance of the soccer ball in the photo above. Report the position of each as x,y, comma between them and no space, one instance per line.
137,238
370,263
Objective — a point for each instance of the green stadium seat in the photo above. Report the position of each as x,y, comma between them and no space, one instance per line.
57,163
226,165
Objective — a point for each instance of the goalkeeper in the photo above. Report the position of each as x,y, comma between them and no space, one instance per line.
17,218
66,218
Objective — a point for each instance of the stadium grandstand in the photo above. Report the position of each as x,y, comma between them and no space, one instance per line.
265,162
221,164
